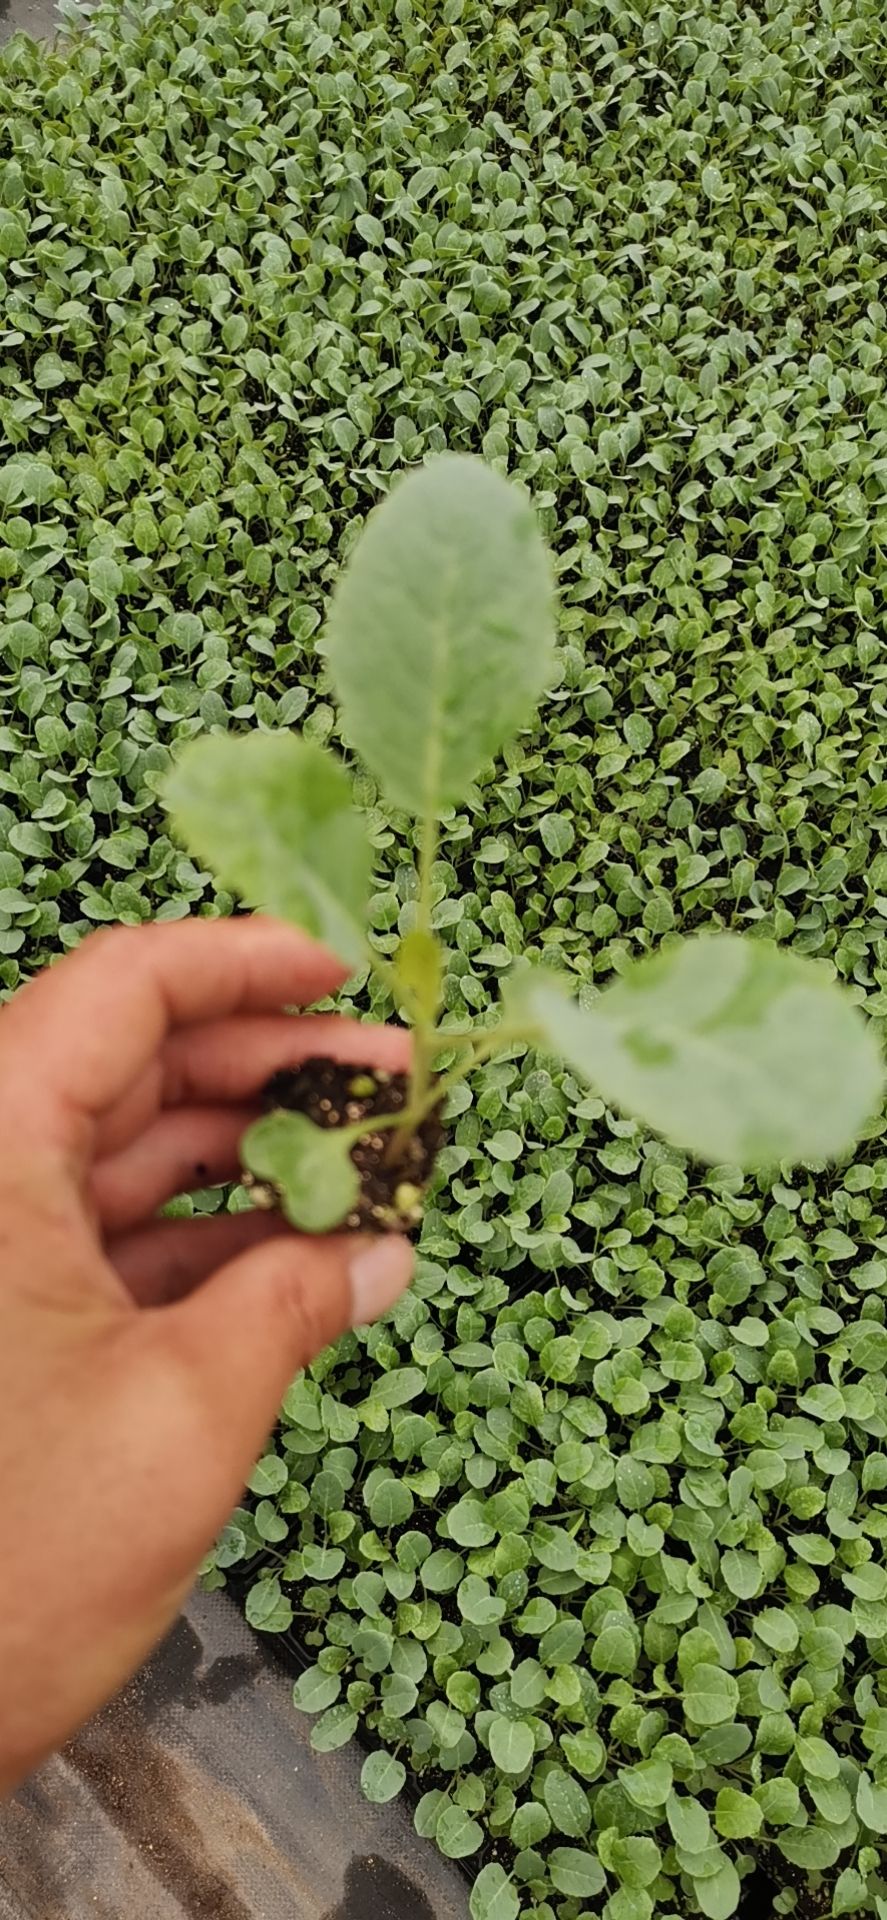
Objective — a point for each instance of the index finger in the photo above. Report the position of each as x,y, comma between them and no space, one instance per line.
85,1029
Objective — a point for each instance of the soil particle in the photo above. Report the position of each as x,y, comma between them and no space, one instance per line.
394,1172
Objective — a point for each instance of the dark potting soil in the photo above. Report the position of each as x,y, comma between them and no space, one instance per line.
812,1902
394,1170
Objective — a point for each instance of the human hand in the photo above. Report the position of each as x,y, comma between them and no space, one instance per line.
142,1361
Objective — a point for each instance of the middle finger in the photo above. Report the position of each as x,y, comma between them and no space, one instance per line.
232,1059
222,1060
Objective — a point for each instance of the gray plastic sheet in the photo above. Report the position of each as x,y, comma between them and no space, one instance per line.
196,1796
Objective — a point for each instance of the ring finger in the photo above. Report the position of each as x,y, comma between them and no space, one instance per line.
183,1149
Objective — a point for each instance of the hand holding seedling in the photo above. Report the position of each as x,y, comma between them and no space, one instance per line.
142,1359
440,641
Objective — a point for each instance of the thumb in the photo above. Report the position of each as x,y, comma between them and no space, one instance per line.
243,1335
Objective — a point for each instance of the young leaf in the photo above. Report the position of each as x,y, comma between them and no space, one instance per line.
272,816
648,1784
710,1695
381,1777
427,1813
315,1691
567,1803
441,631
334,1728
531,1824
871,1805
493,1895
629,1903
719,1893
267,1609
737,1815
457,1835
689,1823
576,1871
310,1166
731,1048
850,1892
813,1848
511,1744
779,1802
269,1475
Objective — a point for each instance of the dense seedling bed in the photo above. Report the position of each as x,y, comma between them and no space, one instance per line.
589,1536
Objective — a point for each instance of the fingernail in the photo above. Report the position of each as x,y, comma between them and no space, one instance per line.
379,1270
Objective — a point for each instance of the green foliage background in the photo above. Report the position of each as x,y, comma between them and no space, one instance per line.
251,263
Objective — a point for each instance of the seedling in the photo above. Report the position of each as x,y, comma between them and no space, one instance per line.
440,643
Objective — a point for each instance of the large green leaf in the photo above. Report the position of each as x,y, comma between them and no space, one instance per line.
493,1896
382,1776
711,1696
511,1744
719,1894
310,1166
272,816
457,1835
267,1609
441,630
732,1048
576,1871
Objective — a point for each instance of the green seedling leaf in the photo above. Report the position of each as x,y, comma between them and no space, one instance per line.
30,482
310,1166
629,1903
272,816
567,1803
269,1475
576,1871
511,1744
719,1893
871,1805
267,1609
711,1696
779,1801
493,1896
440,635
334,1729
381,1777
635,1859
689,1823
457,1835
648,1784
315,1691
813,1848
849,1894
531,1824
737,1815
395,1389
731,1048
